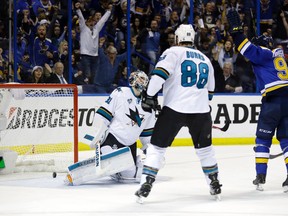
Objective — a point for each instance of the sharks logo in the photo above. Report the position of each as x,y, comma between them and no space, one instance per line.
162,58
135,117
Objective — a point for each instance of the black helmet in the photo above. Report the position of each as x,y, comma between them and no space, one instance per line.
263,40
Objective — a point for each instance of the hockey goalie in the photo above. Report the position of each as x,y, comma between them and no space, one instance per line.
118,123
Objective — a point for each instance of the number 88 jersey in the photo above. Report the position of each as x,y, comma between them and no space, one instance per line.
188,79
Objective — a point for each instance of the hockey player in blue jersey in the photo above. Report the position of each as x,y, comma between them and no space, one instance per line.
271,73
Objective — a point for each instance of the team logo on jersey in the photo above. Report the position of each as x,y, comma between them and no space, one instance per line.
129,100
135,117
108,100
162,58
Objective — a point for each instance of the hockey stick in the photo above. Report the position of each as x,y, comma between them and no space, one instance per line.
97,152
253,22
224,128
271,156
275,156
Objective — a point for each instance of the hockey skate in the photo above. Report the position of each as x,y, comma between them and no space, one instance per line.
285,185
117,177
215,186
68,180
145,189
260,181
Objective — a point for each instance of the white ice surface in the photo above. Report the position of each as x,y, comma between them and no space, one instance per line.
180,189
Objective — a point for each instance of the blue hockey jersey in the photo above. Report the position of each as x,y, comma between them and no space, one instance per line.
269,66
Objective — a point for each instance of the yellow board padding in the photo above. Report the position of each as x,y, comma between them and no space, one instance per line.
188,142
67,147
83,146
217,141
40,148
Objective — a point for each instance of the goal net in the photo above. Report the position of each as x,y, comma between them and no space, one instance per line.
39,122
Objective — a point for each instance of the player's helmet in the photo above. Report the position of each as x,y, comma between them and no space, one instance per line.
264,41
184,33
139,80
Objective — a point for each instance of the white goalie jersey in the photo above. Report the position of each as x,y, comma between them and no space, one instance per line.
125,118
180,69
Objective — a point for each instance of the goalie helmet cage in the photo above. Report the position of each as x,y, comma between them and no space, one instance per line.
41,125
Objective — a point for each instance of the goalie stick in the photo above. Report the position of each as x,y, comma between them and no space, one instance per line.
97,152
271,156
224,128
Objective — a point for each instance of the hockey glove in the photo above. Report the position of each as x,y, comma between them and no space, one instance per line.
149,103
234,21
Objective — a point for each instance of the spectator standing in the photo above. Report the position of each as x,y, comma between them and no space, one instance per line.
266,15
174,20
278,34
167,40
89,40
63,57
205,47
44,52
162,8
75,42
210,14
121,78
57,36
63,51
78,75
150,40
108,67
120,19
227,53
201,34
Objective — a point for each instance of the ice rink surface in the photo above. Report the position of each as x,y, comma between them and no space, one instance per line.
180,189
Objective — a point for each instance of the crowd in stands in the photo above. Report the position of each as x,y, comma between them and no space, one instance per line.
99,37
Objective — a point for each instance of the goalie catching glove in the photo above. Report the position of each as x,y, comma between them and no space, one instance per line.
149,103
235,25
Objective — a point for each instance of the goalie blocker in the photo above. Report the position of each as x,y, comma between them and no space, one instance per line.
111,163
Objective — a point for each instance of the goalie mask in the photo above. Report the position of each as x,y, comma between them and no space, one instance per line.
184,33
139,80
264,41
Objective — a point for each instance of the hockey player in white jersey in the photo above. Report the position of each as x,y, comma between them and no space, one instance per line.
187,77
120,122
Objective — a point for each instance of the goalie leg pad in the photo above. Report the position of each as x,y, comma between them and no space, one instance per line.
132,175
111,163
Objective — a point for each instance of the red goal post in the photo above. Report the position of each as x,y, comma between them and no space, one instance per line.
39,123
